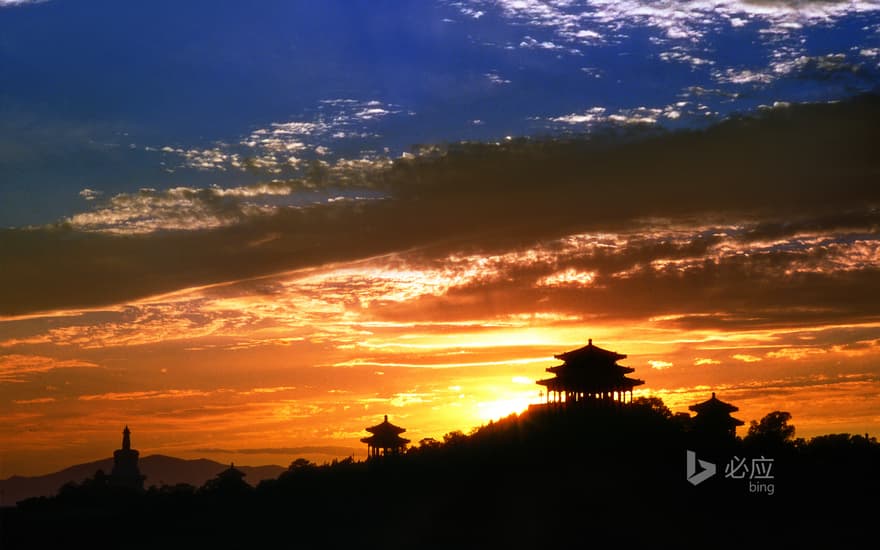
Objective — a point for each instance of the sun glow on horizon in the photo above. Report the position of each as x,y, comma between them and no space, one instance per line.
309,358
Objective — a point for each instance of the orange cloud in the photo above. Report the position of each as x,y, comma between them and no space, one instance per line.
17,367
746,358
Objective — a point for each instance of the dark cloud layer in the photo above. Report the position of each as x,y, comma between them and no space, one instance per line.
731,296
809,164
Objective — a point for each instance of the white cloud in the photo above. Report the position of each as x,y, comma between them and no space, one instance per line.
679,55
5,3
594,114
496,78
371,113
746,358
291,144
531,43
743,76
569,277
90,194
597,116
688,22
173,209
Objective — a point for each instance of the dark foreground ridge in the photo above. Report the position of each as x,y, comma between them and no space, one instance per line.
553,476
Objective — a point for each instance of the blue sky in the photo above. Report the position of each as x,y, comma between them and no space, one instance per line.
113,97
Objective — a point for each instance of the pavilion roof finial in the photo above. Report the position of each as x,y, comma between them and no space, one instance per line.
590,342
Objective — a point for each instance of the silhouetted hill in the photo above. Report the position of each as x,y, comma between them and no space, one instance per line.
551,477
159,469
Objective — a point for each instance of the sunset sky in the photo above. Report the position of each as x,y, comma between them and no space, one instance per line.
249,232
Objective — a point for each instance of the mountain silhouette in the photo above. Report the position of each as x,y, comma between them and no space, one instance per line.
159,469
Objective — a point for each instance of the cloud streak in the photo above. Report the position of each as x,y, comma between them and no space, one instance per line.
9,3
19,367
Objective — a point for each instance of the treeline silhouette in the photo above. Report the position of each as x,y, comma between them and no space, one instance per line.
549,477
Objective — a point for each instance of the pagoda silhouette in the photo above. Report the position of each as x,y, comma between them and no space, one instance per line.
589,375
385,440
125,471
713,419
230,481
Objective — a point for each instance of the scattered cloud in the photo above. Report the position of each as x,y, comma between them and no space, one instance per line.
289,147
570,276
35,401
18,367
795,354
598,118
746,358
679,55
689,21
531,43
140,395
150,210
496,78
90,194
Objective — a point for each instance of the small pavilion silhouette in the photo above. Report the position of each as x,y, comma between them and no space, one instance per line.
228,482
385,440
713,418
589,375
125,471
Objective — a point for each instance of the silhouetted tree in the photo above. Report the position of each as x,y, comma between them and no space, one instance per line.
300,464
454,438
654,404
772,432
429,443
347,461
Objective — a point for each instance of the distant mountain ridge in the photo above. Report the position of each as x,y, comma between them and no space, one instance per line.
159,470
